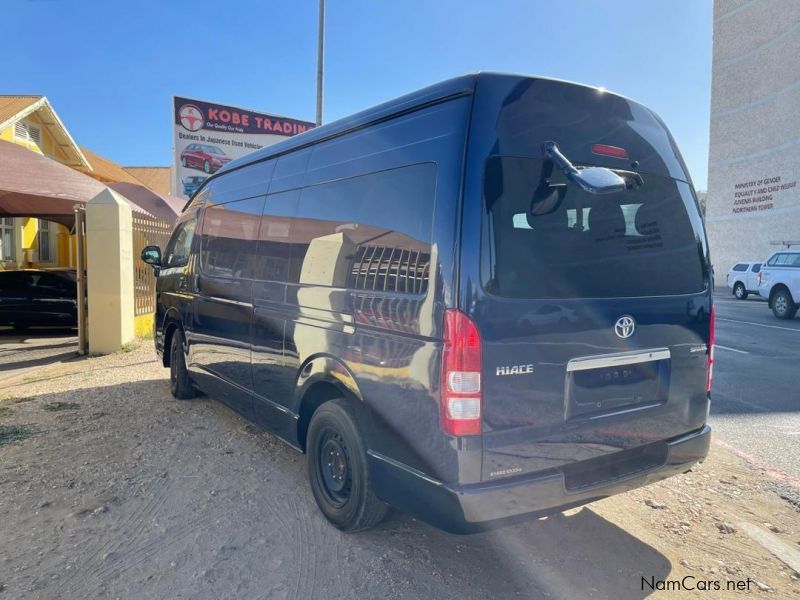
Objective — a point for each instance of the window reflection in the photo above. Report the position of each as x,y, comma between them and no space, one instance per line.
230,238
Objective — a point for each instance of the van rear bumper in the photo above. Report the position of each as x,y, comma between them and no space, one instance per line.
471,508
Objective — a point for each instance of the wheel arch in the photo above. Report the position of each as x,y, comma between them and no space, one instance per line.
323,378
775,289
171,323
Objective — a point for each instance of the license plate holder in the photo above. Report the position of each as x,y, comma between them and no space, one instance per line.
597,386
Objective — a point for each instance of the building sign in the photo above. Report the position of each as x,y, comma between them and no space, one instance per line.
758,195
209,135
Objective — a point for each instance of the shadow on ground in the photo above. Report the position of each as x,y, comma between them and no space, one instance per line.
35,347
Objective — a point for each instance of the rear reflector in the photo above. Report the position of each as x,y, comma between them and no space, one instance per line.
712,326
612,151
460,410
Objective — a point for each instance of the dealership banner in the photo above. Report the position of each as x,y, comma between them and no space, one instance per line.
209,135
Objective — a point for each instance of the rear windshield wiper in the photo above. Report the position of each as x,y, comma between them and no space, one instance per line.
595,180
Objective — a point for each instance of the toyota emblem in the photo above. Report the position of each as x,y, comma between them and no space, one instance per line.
624,327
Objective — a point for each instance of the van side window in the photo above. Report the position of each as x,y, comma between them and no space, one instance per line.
756,268
740,267
229,238
371,232
246,182
274,240
180,244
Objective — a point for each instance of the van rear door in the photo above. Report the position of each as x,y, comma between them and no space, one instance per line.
593,309
594,319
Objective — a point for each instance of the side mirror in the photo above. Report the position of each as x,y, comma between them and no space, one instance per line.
152,255
595,180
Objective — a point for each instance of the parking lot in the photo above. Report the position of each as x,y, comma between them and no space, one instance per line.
756,394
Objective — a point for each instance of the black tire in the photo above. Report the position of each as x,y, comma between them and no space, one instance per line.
783,307
179,382
207,166
740,291
21,326
337,469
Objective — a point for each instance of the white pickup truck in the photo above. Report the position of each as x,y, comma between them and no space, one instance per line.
779,281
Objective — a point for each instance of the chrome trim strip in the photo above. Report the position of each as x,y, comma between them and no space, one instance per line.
226,301
404,467
585,363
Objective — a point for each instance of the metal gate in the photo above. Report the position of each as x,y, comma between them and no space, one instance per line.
147,231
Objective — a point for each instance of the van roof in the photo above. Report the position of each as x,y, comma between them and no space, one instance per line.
450,88
457,86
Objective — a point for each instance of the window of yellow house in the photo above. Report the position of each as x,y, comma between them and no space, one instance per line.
44,241
7,239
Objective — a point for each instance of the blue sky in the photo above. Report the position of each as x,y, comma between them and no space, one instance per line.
110,68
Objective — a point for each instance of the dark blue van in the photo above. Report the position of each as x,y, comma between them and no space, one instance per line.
485,300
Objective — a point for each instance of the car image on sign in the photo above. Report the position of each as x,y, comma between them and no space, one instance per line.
204,157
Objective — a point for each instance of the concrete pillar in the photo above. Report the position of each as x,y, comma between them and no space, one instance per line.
109,250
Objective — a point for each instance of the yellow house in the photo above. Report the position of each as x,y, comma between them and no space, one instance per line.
30,121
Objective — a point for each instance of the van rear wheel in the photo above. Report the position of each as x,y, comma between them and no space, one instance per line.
337,469
179,382
739,291
783,307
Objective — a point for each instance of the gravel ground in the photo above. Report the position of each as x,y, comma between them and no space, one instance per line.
109,488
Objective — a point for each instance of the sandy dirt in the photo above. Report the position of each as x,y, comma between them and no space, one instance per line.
109,488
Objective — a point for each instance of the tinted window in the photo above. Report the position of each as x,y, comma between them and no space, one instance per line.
640,242
180,244
369,232
230,237
740,267
756,268
45,284
275,241
252,180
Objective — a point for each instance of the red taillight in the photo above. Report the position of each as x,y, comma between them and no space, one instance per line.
759,279
612,151
460,409
710,350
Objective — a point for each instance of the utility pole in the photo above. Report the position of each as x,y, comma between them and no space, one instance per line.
320,59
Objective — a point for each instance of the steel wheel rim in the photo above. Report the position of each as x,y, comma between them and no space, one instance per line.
780,304
739,292
334,470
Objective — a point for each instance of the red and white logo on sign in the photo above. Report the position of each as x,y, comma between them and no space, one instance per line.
191,117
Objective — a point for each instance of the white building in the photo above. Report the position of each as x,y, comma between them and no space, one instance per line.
754,156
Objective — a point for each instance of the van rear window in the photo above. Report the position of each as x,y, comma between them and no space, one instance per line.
641,242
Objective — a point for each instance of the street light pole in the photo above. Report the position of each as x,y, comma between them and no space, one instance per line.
320,59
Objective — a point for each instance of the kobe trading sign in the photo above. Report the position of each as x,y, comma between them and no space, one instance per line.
209,135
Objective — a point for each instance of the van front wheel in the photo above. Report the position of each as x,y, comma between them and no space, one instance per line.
337,469
179,382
